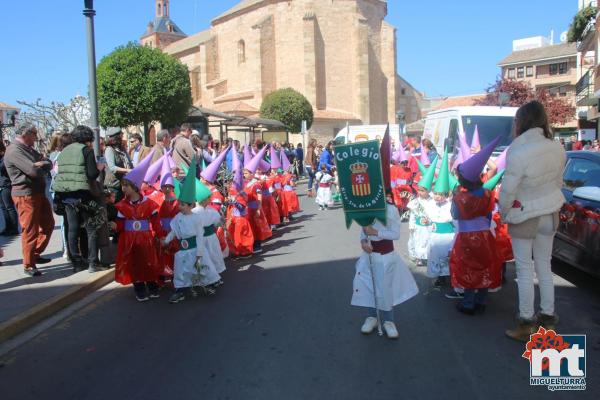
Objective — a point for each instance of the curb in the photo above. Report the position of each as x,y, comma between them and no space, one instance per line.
27,319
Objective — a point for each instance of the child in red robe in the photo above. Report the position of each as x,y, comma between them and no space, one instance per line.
138,225
474,262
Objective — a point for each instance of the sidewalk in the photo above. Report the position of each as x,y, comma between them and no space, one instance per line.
24,300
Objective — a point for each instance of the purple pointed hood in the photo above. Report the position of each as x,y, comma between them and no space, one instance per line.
247,155
275,161
238,176
476,143
465,149
210,172
285,162
400,155
471,169
501,160
166,177
154,171
252,166
136,175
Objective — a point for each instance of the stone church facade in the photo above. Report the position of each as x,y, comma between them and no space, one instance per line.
341,54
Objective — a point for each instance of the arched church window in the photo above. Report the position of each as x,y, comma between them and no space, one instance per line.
241,52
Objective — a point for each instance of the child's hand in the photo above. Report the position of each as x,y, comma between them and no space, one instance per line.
367,248
369,230
112,225
163,242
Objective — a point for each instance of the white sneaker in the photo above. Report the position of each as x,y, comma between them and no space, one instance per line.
369,325
390,330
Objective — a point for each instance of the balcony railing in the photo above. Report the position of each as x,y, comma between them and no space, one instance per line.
584,90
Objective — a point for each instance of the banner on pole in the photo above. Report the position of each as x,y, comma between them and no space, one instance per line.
361,182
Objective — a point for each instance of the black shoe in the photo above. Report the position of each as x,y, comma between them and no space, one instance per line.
244,256
257,249
177,297
42,260
439,283
153,290
32,271
141,293
468,311
453,294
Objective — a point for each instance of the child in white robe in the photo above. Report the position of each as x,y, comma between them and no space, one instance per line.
418,227
394,282
212,248
441,238
324,181
190,269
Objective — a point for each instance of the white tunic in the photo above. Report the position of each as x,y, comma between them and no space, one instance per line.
324,195
186,273
439,244
212,247
394,282
419,235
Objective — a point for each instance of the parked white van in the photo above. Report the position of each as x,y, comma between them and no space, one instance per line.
362,133
442,126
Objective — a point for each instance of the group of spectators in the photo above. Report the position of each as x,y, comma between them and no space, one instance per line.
574,144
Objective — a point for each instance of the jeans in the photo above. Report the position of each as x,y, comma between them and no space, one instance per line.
385,315
541,249
9,211
474,297
75,219
311,176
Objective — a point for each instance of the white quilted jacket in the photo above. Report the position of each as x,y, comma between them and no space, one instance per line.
533,177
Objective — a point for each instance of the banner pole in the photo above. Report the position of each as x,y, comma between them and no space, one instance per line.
379,330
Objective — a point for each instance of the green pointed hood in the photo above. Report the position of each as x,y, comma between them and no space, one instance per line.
427,179
202,191
491,184
453,181
187,191
442,184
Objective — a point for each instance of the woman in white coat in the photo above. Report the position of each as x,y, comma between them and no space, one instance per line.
530,199
394,282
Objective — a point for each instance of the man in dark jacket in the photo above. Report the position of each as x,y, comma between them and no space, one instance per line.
27,170
76,186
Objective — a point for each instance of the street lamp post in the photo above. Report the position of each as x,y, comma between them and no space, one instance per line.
89,13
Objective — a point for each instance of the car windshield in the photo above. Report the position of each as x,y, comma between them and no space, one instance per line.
581,172
340,140
489,127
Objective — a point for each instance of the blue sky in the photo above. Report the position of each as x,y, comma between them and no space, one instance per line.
444,47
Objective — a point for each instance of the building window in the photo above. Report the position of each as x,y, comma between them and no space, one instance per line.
520,72
562,68
241,52
529,70
403,91
553,69
511,73
562,91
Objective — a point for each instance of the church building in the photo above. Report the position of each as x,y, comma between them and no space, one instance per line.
340,54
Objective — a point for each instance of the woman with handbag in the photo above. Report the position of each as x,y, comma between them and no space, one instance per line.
530,200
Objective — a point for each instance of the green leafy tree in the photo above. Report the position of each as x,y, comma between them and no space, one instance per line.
288,106
138,85
580,22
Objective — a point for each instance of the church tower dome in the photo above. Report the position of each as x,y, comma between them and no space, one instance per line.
162,31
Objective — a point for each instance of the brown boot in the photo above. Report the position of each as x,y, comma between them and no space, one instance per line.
524,329
547,321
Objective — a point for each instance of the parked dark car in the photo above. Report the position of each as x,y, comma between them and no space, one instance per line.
577,241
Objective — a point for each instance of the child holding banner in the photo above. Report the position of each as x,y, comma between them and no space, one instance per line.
382,280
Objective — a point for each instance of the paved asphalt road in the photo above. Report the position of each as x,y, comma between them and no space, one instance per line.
282,328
